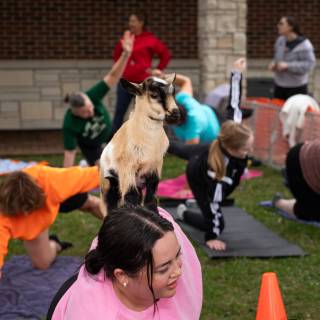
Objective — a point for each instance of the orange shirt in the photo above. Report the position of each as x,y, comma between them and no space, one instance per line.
58,185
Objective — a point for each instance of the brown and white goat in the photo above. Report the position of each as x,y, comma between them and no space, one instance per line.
133,158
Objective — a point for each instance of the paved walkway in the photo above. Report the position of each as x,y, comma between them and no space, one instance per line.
30,142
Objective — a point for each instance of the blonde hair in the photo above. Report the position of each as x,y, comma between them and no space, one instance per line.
234,136
19,194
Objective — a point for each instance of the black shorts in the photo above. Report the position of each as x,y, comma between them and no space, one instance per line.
91,153
307,201
73,203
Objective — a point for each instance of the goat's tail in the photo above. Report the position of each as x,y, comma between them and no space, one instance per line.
127,181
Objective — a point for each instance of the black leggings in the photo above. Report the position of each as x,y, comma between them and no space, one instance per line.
307,201
186,151
91,153
73,203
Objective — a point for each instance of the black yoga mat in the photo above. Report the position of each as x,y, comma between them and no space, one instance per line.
244,236
26,293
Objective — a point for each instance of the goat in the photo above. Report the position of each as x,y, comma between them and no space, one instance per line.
133,158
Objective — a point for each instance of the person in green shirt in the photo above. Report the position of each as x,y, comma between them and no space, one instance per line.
87,123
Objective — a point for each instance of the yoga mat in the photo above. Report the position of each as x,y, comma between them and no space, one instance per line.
244,236
26,293
176,188
268,204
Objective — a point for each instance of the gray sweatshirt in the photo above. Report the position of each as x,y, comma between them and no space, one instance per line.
300,59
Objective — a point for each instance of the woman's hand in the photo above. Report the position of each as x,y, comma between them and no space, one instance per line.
282,66
272,66
217,245
156,73
127,42
240,65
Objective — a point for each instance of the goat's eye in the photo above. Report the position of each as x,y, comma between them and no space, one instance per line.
154,95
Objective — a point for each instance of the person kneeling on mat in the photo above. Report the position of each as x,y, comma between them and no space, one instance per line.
29,204
214,170
302,174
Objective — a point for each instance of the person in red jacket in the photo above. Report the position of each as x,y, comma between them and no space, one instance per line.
146,46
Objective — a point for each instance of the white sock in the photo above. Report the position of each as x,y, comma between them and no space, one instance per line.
180,211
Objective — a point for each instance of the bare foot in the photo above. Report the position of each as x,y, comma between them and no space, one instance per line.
216,245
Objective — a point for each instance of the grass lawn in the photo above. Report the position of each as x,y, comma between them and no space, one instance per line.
231,286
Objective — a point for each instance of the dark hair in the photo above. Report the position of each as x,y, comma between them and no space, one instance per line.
183,113
19,194
293,23
75,100
125,241
141,15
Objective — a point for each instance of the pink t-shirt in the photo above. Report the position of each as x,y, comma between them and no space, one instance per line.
93,297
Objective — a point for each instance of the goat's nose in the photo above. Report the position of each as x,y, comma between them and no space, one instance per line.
173,117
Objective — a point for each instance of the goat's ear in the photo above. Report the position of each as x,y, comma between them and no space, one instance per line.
170,77
131,87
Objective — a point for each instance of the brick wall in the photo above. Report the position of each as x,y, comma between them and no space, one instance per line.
263,17
87,29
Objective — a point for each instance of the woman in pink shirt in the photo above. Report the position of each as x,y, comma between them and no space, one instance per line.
142,267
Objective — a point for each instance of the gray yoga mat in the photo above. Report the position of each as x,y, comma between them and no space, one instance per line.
244,236
26,293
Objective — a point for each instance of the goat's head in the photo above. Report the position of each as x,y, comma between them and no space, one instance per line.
158,95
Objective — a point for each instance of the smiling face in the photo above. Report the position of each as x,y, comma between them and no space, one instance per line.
167,269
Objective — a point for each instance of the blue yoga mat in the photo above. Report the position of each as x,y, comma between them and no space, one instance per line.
26,293
268,204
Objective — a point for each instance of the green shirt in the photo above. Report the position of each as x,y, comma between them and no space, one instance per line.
91,131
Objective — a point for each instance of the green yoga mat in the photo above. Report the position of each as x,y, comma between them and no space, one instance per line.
244,236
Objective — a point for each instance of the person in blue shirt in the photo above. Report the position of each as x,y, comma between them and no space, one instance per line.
199,122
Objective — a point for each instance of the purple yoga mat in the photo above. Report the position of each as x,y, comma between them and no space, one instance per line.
26,293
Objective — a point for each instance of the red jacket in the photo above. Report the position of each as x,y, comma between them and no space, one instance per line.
146,46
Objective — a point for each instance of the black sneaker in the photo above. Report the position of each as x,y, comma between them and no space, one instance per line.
63,244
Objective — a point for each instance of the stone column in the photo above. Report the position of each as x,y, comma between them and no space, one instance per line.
222,39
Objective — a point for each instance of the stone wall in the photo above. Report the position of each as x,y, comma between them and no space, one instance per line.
222,39
31,92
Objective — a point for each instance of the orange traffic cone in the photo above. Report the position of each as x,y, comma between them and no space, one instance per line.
270,305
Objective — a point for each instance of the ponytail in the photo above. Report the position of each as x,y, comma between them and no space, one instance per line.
216,160
93,262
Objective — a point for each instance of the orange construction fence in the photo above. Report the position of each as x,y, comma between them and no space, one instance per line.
270,146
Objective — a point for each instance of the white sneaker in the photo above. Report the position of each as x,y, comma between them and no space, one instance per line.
83,163
180,211
192,204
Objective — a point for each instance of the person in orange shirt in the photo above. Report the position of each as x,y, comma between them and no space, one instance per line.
30,201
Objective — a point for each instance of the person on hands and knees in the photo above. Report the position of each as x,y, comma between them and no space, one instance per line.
214,171
87,122
30,201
